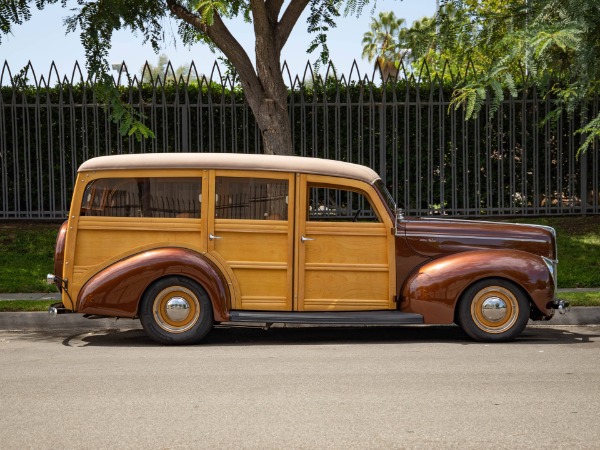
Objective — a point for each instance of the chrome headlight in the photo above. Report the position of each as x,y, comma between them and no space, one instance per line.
552,264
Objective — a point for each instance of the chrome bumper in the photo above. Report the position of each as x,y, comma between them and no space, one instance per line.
562,306
58,308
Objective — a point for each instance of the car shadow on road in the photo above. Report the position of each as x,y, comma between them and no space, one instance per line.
248,336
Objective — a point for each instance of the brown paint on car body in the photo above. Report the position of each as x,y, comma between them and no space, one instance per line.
445,256
59,254
435,237
435,288
118,289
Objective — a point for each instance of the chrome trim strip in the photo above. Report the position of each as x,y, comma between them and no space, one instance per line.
462,236
446,219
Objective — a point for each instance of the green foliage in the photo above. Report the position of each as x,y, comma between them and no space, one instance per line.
487,47
130,120
383,43
547,42
581,298
26,256
578,241
591,133
323,15
16,12
25,305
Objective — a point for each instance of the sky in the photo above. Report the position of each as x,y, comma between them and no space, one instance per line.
42,40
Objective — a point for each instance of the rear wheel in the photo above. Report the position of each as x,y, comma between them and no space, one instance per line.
176,310
493,310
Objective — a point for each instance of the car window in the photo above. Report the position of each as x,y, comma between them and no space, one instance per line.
251,198
339,205
143,197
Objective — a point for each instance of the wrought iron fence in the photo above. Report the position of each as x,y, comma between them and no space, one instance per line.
430,157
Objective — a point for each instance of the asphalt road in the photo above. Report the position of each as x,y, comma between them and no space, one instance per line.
424,387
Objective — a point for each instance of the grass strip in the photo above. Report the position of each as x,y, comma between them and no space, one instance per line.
581,298
25,305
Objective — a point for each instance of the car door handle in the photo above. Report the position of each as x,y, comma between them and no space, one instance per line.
212,237
304,239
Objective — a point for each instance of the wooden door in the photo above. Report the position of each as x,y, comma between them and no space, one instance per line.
250,231
345,247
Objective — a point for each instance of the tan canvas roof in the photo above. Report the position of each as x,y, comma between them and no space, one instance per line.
235,161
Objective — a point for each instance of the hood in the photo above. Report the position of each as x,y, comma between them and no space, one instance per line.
436,237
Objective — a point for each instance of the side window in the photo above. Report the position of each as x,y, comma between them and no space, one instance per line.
143,197
251,198
339,205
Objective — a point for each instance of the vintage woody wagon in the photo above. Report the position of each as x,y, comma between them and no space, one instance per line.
186,241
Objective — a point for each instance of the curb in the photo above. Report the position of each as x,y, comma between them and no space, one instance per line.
578,315
42,321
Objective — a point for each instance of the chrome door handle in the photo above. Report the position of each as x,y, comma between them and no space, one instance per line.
212,237
304,239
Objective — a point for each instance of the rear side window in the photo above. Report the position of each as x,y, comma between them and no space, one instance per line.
251,198
143,197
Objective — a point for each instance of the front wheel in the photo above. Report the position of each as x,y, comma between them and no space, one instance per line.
176,310
493,310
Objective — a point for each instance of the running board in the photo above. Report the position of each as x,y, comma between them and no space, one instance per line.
330,318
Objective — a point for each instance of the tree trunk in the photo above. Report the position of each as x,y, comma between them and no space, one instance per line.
264,88
271,113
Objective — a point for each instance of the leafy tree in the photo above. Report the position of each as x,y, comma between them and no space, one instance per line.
382,43
553,43
201,21
488,47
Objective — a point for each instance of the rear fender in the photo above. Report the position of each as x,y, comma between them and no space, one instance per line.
435,288
59,255
117,289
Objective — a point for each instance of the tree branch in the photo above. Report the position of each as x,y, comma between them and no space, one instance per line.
289,19
223,39
260,18
273,9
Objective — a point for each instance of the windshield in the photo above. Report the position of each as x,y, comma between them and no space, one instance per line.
389,200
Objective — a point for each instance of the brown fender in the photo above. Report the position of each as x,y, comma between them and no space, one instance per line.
117,289
59,254
434,289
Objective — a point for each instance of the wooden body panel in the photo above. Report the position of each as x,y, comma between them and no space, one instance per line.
259,256
258,253
346,266
102,241
95,242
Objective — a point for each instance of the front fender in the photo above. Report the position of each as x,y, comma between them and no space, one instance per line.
434,288
117,289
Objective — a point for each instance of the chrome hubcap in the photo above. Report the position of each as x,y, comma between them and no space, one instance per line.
494,309
177,309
